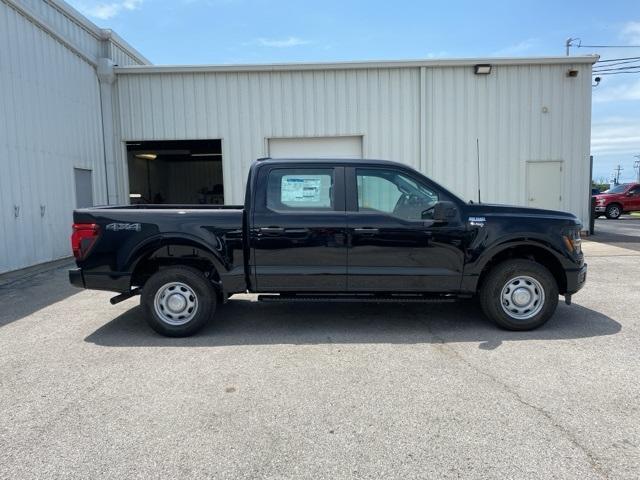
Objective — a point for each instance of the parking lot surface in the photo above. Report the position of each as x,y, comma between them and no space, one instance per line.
87,390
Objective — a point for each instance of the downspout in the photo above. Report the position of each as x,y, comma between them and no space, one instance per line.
106,79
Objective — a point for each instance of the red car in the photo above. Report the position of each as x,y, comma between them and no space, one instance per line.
620,199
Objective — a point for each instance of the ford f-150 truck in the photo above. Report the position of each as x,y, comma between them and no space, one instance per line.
331,230
623,198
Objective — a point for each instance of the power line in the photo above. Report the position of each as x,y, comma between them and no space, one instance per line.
615,64
618,59
616,69
618,73
606,46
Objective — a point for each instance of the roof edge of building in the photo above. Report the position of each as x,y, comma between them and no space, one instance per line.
270,67
83,22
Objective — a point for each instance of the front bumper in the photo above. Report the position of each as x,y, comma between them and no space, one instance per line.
576,279
600,208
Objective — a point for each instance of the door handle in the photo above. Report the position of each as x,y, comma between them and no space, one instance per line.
365,230
271,230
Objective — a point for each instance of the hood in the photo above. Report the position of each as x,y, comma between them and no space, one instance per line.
497,209
607,195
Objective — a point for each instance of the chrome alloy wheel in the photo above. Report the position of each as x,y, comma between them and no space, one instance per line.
614,211
175,303
522,297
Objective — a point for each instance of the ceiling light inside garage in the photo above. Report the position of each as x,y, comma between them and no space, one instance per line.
146,156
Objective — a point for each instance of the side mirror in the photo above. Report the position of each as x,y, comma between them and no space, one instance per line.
444,211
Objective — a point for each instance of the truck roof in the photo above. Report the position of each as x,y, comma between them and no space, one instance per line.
355,161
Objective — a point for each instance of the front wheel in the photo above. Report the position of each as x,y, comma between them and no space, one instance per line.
178,301
613,211
519,294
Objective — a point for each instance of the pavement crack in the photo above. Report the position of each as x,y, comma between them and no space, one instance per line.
591,457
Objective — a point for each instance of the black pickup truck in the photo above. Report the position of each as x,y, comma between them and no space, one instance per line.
331,230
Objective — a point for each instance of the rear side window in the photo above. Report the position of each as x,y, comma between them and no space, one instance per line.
301,189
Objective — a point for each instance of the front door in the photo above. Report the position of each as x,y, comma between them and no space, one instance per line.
632,203
298,230
394,245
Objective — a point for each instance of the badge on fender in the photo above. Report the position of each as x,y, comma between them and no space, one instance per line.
116,227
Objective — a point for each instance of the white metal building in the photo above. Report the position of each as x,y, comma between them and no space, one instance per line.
80,99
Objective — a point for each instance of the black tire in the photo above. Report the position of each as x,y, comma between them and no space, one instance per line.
503,275
613,211
186,285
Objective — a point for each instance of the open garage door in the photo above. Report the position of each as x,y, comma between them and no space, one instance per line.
176,171
316,147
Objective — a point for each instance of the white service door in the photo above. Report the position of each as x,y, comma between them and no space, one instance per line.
316,147
544,185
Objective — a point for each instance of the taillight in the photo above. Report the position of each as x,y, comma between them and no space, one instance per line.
83,237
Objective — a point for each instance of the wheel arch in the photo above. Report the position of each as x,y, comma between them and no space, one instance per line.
166,251
537,252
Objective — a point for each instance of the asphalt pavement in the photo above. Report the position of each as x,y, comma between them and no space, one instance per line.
87,390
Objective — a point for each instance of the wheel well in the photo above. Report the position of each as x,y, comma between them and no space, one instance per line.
535,254
615,203
172,255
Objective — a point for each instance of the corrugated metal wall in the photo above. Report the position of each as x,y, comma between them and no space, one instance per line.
426,117
49,124
244,109
518,114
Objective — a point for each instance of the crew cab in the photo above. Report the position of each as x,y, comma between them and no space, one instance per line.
623,198
330,230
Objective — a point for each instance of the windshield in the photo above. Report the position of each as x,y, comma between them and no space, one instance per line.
617,189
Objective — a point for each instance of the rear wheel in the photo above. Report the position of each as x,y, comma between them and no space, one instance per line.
613,211
519,294
178,301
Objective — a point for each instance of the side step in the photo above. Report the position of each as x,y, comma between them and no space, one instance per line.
357,298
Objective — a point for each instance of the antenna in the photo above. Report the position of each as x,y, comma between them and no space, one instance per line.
478,156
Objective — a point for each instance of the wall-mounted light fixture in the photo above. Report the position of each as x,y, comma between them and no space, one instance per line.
484,69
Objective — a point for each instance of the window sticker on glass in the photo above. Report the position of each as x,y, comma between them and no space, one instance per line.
306,189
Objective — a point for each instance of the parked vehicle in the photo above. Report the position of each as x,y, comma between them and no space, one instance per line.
623,198
331,230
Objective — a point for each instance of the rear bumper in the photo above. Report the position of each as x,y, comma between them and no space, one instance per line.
75,277
576,279
109,281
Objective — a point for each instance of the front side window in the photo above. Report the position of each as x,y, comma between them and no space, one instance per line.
392,192
300,189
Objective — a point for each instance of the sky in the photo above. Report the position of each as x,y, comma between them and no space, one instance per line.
170,32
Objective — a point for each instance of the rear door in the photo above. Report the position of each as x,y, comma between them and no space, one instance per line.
298,232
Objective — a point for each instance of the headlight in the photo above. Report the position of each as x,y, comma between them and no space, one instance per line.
600,201
573,242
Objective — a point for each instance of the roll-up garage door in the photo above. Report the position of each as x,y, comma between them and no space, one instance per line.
316,147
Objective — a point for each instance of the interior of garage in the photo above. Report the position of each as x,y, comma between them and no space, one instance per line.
175,171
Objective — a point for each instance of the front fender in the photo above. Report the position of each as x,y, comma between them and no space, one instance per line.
479,256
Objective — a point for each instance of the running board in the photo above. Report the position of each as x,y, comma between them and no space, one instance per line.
358,298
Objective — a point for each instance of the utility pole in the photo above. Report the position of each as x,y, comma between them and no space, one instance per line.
636,166
618,169
568,43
